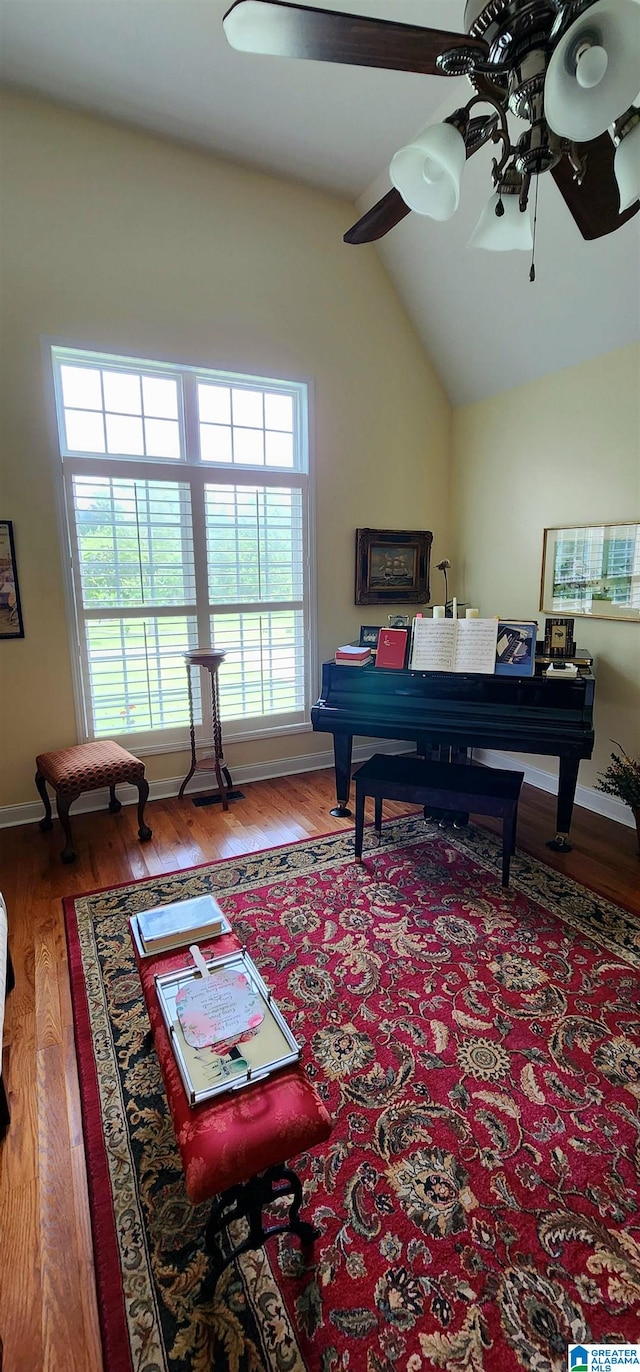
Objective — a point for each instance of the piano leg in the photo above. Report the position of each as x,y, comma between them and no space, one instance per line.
342,745
567,782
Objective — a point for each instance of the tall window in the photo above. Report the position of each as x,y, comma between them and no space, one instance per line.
188,510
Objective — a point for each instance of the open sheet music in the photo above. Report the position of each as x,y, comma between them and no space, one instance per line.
454,645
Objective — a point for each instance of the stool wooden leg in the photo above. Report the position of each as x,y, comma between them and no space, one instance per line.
144,832
68,852
359,823
378,816
47,822
508,842
114,803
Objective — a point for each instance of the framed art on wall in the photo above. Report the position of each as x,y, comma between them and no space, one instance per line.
592,570
11,625
392,566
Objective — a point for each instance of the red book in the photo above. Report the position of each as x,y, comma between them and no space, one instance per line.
392,647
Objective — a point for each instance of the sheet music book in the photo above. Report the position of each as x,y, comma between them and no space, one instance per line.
454,645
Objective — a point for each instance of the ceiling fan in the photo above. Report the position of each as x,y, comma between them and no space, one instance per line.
569,68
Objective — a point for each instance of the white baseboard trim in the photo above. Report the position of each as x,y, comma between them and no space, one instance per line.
31,811
586,796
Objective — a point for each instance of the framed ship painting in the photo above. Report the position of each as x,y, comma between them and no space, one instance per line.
392,566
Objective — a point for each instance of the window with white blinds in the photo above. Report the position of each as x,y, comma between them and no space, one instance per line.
188,514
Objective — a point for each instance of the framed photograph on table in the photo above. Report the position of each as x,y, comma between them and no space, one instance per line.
516,648
392,566
11,625
369,634
558,638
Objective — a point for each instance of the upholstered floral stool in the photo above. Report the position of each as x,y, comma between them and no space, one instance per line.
88,767
233,1149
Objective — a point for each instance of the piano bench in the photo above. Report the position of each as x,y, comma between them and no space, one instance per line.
443,785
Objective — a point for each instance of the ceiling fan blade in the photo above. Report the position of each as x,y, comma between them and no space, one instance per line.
595,203
379,219
280,29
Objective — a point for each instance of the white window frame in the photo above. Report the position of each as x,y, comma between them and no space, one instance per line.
197,474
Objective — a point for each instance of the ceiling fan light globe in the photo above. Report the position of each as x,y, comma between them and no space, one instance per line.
428,172
626,166
591,67
432,172
506,232
583,94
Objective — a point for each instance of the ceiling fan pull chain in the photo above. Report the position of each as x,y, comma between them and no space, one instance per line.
532,269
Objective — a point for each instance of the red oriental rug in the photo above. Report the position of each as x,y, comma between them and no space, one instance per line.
479,1052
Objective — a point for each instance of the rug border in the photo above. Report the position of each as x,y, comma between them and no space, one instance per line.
216,862
335,833
116,1350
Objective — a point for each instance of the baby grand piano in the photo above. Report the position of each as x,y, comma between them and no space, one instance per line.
536,714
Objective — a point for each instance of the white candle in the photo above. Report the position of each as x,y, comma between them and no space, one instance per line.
473,614
438,612
454,608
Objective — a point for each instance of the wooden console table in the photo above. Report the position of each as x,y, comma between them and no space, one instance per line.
213,762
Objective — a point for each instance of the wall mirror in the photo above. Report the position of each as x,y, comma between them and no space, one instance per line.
592,570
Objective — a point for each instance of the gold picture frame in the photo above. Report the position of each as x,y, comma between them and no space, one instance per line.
11,624
392,566
592,571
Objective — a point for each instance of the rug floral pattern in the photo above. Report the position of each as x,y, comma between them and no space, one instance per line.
479,1053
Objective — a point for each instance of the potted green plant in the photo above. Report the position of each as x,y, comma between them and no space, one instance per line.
622,779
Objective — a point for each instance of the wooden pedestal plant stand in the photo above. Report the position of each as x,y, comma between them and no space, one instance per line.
212,762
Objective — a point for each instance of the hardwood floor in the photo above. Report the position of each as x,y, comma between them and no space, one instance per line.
48,1317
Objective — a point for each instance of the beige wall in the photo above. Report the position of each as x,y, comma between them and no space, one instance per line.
560,451
130,244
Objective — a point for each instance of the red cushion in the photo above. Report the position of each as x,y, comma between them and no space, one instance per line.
230,1139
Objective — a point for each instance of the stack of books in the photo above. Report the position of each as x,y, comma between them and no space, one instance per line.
176,925
353,655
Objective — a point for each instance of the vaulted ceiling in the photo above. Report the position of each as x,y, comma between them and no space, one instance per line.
165,66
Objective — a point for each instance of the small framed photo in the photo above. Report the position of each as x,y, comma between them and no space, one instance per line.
558,638
516,648
11,625
369,636
398,621
392,566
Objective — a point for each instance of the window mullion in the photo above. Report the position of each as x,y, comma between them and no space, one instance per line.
198,518
79,626
191,422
